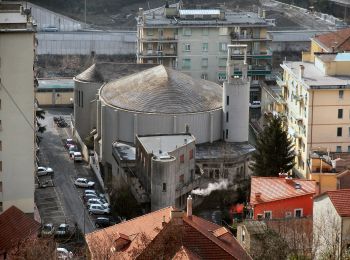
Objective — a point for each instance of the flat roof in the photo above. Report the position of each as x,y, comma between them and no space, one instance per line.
294,36
56,83
125,151
199,12
164,143
314,77
222,150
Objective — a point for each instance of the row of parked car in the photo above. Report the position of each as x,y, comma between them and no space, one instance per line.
73,150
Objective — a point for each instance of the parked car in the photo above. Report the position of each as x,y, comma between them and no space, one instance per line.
62,230
86,192
90,196
102,222
84,183
97,201
98,209
69,142
77,157
255,104
41,171
63,254
72,149
48,230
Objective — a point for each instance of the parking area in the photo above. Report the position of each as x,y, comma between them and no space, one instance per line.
58,199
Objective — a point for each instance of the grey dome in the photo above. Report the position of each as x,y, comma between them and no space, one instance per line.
162,90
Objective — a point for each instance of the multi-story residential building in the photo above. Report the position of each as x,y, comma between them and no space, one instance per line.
317,105
17,128
338,41
195,41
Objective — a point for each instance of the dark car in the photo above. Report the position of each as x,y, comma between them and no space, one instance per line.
102,222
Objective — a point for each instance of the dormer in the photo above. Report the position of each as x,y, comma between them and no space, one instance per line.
121,242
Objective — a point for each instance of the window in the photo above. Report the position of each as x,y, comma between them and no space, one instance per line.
339,131
0,166
226,116
187,31
0,206
226,133
221,76
348,149
222,62
259,216
341,94
190,154
0,186
223,46
268,214
186,64
288,214
187,47
349,131
149,32
340,113
298,213
338,149
182,178
204,76
182,158
82,99
204,62
227,100
164,187
223,31
0,145
205,46
205,31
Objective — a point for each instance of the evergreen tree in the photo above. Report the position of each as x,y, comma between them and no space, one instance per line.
274,150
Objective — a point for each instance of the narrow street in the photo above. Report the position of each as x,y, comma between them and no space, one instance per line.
54,155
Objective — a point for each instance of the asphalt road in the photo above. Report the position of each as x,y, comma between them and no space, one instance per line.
53,153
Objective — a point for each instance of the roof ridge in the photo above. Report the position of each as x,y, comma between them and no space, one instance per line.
133,219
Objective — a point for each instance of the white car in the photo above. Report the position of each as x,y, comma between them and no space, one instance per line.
77,157
63,253
97,201
41,171
90,192
62,230
255,104
98,209
84,183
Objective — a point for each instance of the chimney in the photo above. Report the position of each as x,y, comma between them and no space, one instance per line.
163,221
257,195
189,206
301,71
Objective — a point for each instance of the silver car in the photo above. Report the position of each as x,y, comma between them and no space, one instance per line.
97,201
98,209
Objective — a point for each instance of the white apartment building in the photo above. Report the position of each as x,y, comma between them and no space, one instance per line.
194,41
17,118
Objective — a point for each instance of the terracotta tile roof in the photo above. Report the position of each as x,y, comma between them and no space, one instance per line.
340,200
15,226
185,254
200,239
275,188
340,40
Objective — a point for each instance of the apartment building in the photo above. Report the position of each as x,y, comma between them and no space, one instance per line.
195,41
317,96
17,128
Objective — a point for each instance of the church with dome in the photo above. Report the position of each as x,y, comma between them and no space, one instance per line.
141,115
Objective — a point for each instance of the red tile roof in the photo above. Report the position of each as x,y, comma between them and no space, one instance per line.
340,40
14,227
275,188
200,239
341,201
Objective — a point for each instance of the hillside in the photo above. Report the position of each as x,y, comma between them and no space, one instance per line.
121,13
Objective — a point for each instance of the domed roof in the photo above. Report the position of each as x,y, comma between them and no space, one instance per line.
162,90
105,71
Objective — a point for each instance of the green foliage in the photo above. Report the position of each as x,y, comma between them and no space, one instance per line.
89,142
40,115
124,204
274,150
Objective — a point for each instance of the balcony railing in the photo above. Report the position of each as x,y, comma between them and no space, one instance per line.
244,37
158,53
159,38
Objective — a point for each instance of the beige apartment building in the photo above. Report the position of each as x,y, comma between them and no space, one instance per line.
17,135
317,106
195,41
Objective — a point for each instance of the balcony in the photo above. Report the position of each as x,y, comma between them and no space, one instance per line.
246,37
151,53
159,39
255,71
267,54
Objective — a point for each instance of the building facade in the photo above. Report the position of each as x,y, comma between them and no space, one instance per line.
17,117
195,41
317,100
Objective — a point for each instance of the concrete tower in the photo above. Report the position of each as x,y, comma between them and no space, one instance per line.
236,95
